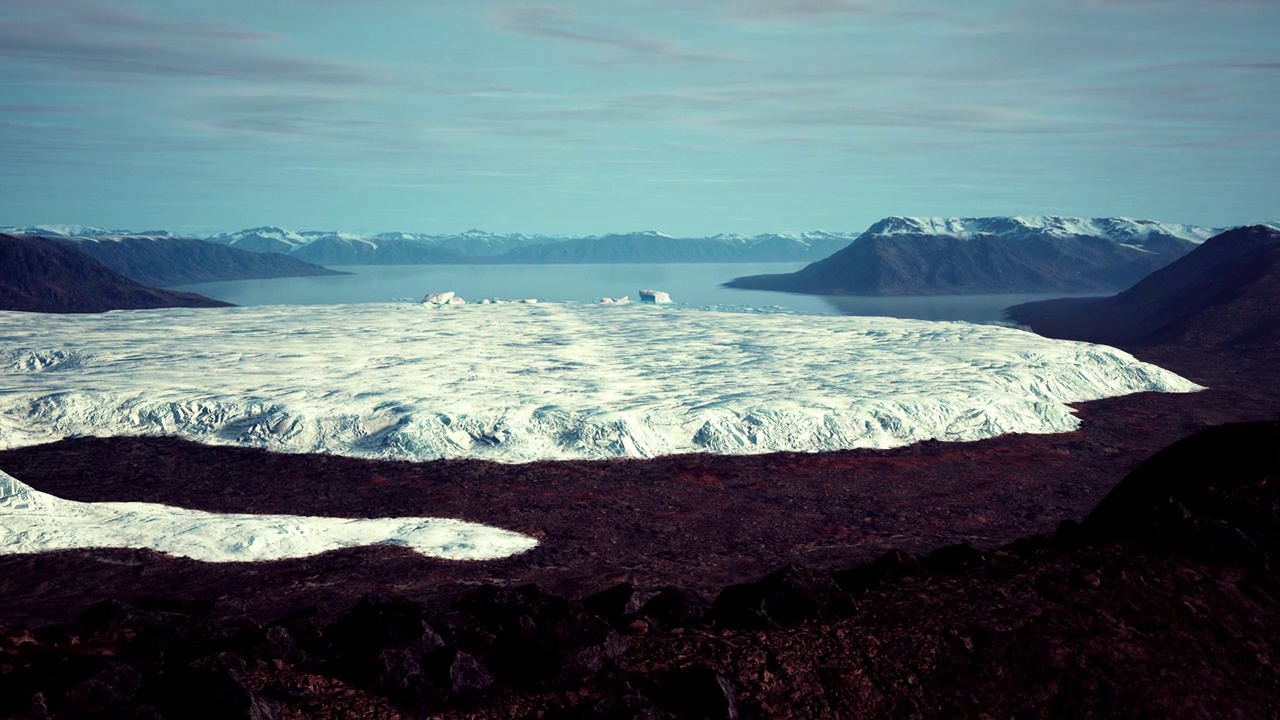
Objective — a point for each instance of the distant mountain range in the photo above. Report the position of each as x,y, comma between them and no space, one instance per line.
1225,293
41,275
476,246
1028,254
895,256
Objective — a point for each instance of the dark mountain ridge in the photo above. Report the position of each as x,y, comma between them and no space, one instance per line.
1225,293
41,275
163,260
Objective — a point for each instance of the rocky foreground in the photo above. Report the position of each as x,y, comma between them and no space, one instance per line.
1163,602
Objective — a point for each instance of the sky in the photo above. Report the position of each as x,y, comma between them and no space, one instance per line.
691,118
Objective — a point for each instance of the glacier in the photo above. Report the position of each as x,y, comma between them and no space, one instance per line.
525,382
32,521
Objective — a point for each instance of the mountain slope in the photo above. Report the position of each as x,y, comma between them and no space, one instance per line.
1225,293
40,275
946,256
161,260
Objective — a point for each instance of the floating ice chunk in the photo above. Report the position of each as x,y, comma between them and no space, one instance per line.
443,298
615,301
654,296
32,521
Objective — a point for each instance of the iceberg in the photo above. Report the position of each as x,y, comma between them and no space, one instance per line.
654,296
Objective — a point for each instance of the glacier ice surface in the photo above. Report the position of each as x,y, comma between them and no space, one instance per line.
516,382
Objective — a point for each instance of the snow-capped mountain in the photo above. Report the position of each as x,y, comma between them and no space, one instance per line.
516,382
84,231
262,239
1025,254
1118,229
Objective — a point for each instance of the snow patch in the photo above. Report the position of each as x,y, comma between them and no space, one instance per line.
32,521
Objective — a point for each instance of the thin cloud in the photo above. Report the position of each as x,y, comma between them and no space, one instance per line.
547,22
796,11
1247,66
88,40
39,109
1268,4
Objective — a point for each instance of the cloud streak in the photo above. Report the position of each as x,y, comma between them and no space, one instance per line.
550,23
90,40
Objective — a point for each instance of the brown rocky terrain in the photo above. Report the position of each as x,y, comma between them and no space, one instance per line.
40,275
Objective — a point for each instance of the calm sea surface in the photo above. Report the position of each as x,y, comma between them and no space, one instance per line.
694,284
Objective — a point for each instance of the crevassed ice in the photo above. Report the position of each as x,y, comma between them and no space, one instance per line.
32,521
519,382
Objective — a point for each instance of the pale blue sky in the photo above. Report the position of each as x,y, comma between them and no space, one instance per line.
590,117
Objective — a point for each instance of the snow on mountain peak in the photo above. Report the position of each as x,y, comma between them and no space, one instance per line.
61,230
1119,229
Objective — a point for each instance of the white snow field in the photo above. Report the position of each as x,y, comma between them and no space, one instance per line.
521,382
32,521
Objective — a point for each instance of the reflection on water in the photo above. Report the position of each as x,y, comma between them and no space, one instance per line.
695,284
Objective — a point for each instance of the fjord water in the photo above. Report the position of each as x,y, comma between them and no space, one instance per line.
695,284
